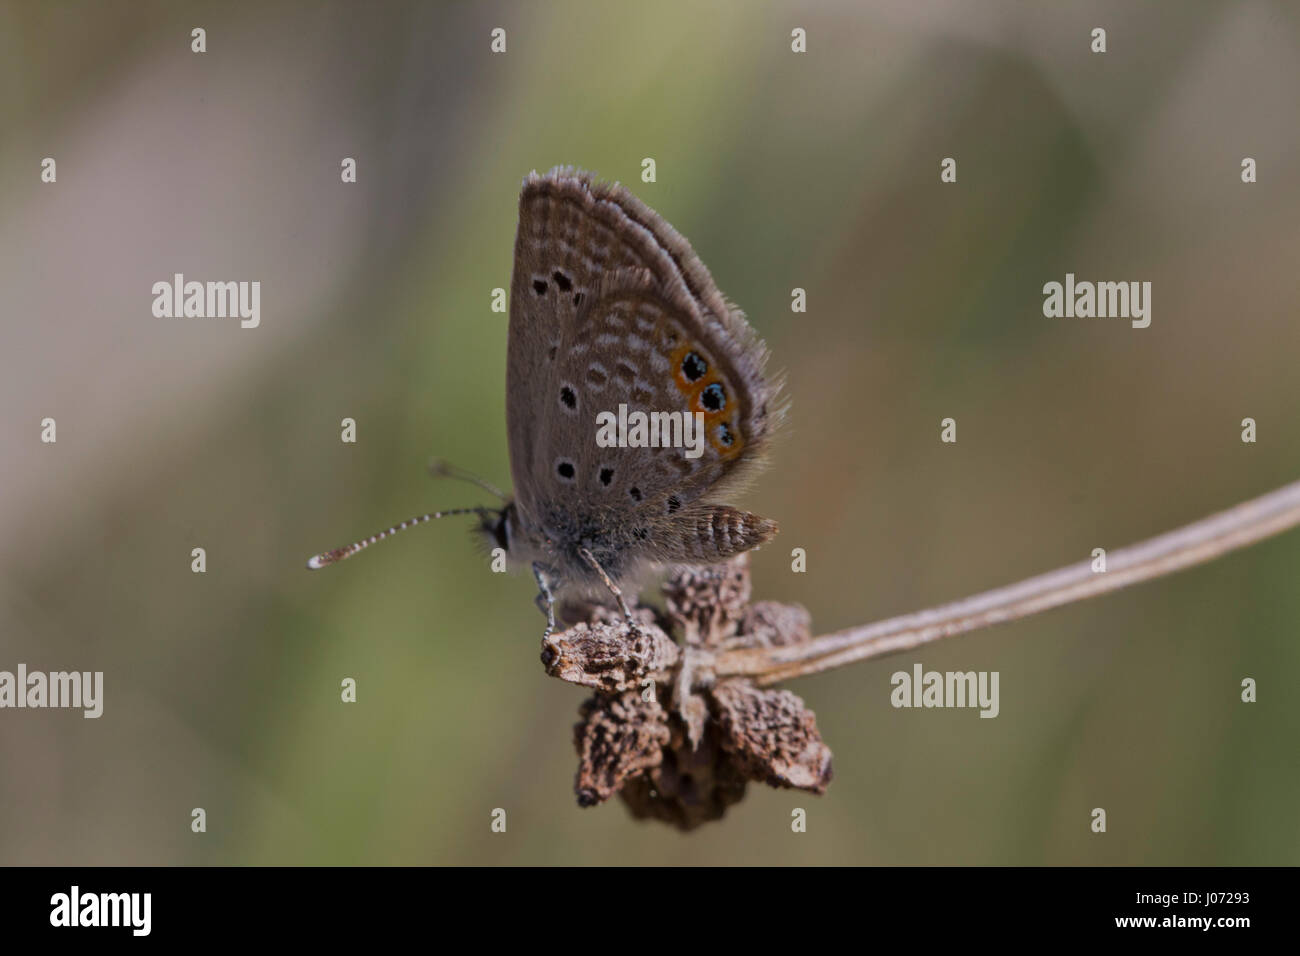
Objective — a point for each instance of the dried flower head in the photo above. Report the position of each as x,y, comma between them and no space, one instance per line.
677,744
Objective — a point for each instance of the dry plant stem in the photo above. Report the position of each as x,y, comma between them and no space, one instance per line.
1196,543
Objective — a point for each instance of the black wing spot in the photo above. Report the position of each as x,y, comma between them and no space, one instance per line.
606,476
694,367
674,503
539,286
564,468
568,397
635,493
562,281
714,397
577,298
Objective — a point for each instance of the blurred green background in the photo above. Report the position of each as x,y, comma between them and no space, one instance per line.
818,171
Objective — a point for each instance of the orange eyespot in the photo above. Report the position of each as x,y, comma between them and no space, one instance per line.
725,439
706,392
690,366
711,398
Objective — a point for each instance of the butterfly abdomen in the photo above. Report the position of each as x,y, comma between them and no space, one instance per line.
716,532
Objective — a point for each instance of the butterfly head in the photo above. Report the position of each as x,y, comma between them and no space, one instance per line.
498,526
510,530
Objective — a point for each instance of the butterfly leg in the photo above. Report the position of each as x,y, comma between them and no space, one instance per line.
614,589
545,598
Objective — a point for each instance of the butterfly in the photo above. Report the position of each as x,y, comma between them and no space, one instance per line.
610,307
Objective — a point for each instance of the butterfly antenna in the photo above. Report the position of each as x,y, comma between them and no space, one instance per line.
441,468
338,554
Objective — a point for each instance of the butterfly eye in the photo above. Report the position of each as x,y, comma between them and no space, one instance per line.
694,367
714,397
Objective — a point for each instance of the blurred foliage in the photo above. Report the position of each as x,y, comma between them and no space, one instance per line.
819,171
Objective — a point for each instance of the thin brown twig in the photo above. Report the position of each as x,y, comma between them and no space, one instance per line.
1193,544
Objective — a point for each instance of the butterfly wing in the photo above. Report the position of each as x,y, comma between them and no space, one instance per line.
610,306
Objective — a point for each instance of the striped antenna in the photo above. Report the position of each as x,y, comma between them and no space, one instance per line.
338,554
